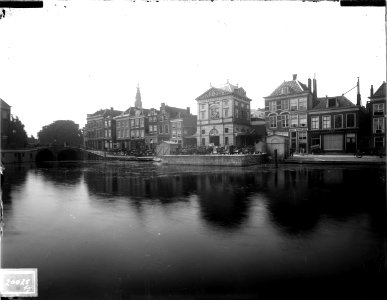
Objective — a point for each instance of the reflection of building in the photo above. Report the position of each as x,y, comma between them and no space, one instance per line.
5,122
286,111
378,117
100,130
224,116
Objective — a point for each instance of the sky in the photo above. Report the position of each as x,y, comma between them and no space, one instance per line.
72,58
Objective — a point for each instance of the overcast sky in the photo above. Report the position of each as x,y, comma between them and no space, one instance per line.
70,59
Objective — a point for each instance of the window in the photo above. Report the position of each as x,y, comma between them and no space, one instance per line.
302,104
273,121
236,113
294,120
150,128
379,109
379,142
142,133
5,114
136,123
203,131
338,121
203,141
225,102
285,90
326,122
226,140
378,125
142,122
285,121
166,128
315,123
331,102
315,141
302,135
285,104
161,128
350,120
293,104
272,105
118,134
225,113
302,120
132,123
202,106
226,130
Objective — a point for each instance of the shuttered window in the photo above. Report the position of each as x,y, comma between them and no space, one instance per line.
333,142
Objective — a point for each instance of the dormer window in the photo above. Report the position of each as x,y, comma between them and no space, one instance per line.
285,90
332,102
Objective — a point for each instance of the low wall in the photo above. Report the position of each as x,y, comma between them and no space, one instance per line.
18,156
214,160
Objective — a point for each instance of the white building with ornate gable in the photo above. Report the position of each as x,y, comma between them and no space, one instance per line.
223,116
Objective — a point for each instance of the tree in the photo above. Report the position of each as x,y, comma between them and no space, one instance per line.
17,136
61,132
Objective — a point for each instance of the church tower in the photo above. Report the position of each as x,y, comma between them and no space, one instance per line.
138,103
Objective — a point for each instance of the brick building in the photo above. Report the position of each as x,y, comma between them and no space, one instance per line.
377,107
286,111
100,129
5,122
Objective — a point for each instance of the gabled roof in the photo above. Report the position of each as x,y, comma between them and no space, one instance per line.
381,92
4,104
342,101
226,89
106,112
295,87
174,111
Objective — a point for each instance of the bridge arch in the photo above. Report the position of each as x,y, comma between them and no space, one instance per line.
69,154
44,155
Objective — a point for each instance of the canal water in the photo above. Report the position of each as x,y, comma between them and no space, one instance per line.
120,230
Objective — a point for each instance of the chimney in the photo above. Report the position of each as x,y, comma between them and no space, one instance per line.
358,102
372,91
314,89
309,85
188,110
294,76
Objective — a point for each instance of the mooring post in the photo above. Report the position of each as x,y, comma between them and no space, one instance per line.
275,158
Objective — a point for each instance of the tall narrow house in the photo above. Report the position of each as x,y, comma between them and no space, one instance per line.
378,118
286,112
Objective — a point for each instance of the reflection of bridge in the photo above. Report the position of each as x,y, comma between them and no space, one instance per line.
49,153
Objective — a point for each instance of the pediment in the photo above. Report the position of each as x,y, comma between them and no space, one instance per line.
211,93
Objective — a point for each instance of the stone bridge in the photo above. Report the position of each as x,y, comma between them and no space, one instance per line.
49,153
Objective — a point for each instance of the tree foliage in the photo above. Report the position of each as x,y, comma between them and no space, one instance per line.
61,132
17,136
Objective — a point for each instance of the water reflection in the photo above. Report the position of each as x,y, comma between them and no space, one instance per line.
143,229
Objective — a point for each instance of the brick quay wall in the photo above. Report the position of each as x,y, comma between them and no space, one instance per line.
214,160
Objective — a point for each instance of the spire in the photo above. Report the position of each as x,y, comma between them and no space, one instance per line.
138,103
358,102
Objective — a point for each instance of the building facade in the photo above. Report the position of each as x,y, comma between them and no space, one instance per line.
377,105
5,122
286,112
100,129
334,124
223,116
